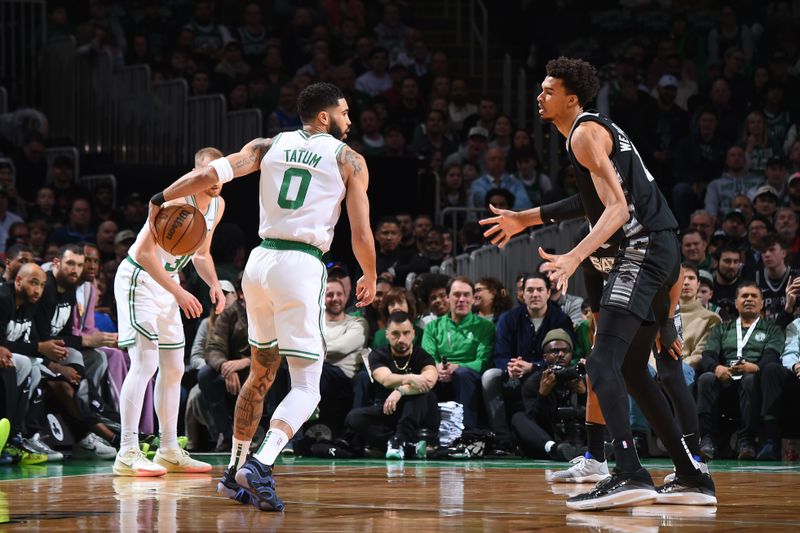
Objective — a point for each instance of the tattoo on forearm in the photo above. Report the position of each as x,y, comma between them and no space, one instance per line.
250,403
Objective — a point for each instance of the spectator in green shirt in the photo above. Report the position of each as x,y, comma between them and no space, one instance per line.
742,357
462,344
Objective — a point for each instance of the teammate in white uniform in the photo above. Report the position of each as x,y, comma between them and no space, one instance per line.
149,299
305,174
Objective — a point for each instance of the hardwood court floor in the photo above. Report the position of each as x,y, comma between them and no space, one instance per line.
377,496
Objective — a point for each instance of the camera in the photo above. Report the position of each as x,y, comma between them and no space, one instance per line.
565,374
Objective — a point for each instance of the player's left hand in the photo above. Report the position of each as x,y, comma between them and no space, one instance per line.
152,213
217,299
365,291
564,266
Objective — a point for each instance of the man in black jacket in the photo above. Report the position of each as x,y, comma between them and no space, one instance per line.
404,376
53,321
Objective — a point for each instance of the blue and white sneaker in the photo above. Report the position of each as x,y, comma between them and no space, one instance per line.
228,487
257,480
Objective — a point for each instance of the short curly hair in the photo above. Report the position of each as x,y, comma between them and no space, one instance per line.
578,76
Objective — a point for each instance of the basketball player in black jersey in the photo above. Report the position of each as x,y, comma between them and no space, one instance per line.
619,198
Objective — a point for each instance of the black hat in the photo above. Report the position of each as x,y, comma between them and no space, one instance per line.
736,213
335,267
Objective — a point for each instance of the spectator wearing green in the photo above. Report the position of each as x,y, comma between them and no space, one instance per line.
462,344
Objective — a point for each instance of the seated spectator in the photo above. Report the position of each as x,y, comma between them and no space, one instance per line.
433,294
773,279
16,256
472,151
758,147
518,351
697,321
461,344
757,229
345,338
496,177
44,208
786,225
499,198
433,246
102,203
571,304
79,224
232,66
452,191
133,213
8,180
545,396
371,136
736,179
776,176
491,299
395,142
741,202
397,299
694,249
285,117
253,34
390,31
698,160
706,291
459,108
404,376
501,134
104,238
703,222
734,227
227,356
765,202
376,80
431,135
536,182
392,261
742,357
408,111
372,313
726,278
209,37
6,219
485,117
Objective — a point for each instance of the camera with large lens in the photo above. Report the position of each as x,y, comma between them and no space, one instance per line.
566,374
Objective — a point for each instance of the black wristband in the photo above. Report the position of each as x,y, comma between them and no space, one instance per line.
158,199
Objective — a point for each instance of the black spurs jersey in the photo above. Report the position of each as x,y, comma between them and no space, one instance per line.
648,208
773,291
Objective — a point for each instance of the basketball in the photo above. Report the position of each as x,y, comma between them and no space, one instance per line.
180,229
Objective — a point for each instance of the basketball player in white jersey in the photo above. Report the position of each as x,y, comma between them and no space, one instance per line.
305,174
149,300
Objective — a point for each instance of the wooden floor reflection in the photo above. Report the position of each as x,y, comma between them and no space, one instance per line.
392,497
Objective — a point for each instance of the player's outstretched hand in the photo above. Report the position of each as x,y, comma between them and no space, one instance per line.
502,227
564,266
190,305
217,299
365,291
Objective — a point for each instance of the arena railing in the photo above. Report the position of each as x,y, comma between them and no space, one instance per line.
23,30
168,123
131,114
470,213
207,122
59,87
243,127
521,254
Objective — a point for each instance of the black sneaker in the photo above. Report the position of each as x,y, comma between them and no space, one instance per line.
622,489
256,478
707,448
688,490
228,487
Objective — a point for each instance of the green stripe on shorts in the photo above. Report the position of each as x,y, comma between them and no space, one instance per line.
298,353
263,345
132,307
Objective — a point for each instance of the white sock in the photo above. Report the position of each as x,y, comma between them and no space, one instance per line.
168,396
549,446
273,443
144,361
239,452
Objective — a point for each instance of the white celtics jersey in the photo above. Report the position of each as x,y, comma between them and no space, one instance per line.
173,263
301,189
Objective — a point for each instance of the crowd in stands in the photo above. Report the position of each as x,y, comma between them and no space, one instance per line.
712,110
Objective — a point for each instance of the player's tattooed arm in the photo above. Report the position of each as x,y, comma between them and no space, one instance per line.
248,159
351,163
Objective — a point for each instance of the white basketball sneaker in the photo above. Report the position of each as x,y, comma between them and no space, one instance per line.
583,470
178,461
132,462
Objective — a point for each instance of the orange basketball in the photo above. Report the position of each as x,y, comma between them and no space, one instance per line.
180,229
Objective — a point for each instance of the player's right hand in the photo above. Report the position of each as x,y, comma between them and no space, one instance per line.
190,305
504,226
365,291
54,349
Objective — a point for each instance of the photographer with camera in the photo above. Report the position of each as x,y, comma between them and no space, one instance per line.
742,357
518,352
554,399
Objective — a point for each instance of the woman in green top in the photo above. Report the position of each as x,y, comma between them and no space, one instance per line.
396,299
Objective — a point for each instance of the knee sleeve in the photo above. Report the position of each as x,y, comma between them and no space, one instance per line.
491,376
304,395
23,367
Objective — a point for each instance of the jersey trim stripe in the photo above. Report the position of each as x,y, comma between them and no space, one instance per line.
339,150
